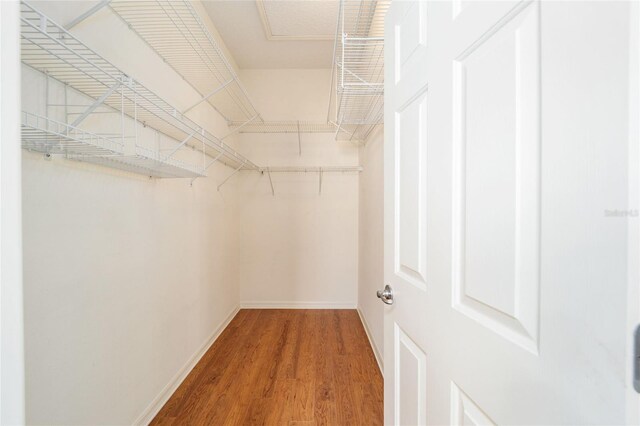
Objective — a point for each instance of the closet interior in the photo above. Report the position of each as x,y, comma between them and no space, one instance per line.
173,176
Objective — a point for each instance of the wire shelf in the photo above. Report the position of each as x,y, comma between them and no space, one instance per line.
358,73
45,135
145,162
355,132
310,169
314,169
175,31
284,127
363,18
49,48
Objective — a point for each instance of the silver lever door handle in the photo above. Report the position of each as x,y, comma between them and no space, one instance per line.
386,295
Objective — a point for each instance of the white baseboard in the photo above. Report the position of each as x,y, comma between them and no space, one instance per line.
152,410
376,351
296,305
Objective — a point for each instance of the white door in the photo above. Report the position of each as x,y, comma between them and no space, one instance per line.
506,213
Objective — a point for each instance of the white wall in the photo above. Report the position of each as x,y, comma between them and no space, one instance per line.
126,278
371,240
298,248
11,284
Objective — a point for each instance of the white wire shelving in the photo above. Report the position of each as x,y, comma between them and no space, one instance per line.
146,162
175,31
49,48
283,127
312,169
49,136
357,86
309,169
351,133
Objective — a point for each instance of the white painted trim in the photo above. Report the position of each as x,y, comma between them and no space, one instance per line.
376,350
158,402
296,305
12,364
633,228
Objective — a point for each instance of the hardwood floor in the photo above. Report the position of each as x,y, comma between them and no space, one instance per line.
283,367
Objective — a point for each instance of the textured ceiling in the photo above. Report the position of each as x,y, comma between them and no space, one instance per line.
304,19
243,31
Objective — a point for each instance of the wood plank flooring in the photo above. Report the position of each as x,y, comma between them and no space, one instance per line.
283,367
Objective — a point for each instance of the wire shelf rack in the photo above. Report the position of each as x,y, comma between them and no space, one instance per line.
313,169
347,132
357,133
146,162
49,48
48,136
320,171
283,127
358,71
175,31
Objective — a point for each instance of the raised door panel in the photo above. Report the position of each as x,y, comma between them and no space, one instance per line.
497,178
410,43
411,200
410,380
465,412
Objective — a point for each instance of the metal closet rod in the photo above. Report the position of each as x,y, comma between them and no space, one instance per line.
319,170
312,169
285,126
294,169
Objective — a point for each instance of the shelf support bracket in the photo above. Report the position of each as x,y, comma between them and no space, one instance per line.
273,191
231,175
239,127
354,132
96,104
204,98
181,144
208,165
356,76
214,160
338,129
320,180
299,141
86,14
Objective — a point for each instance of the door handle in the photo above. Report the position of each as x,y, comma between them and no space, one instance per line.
386,295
